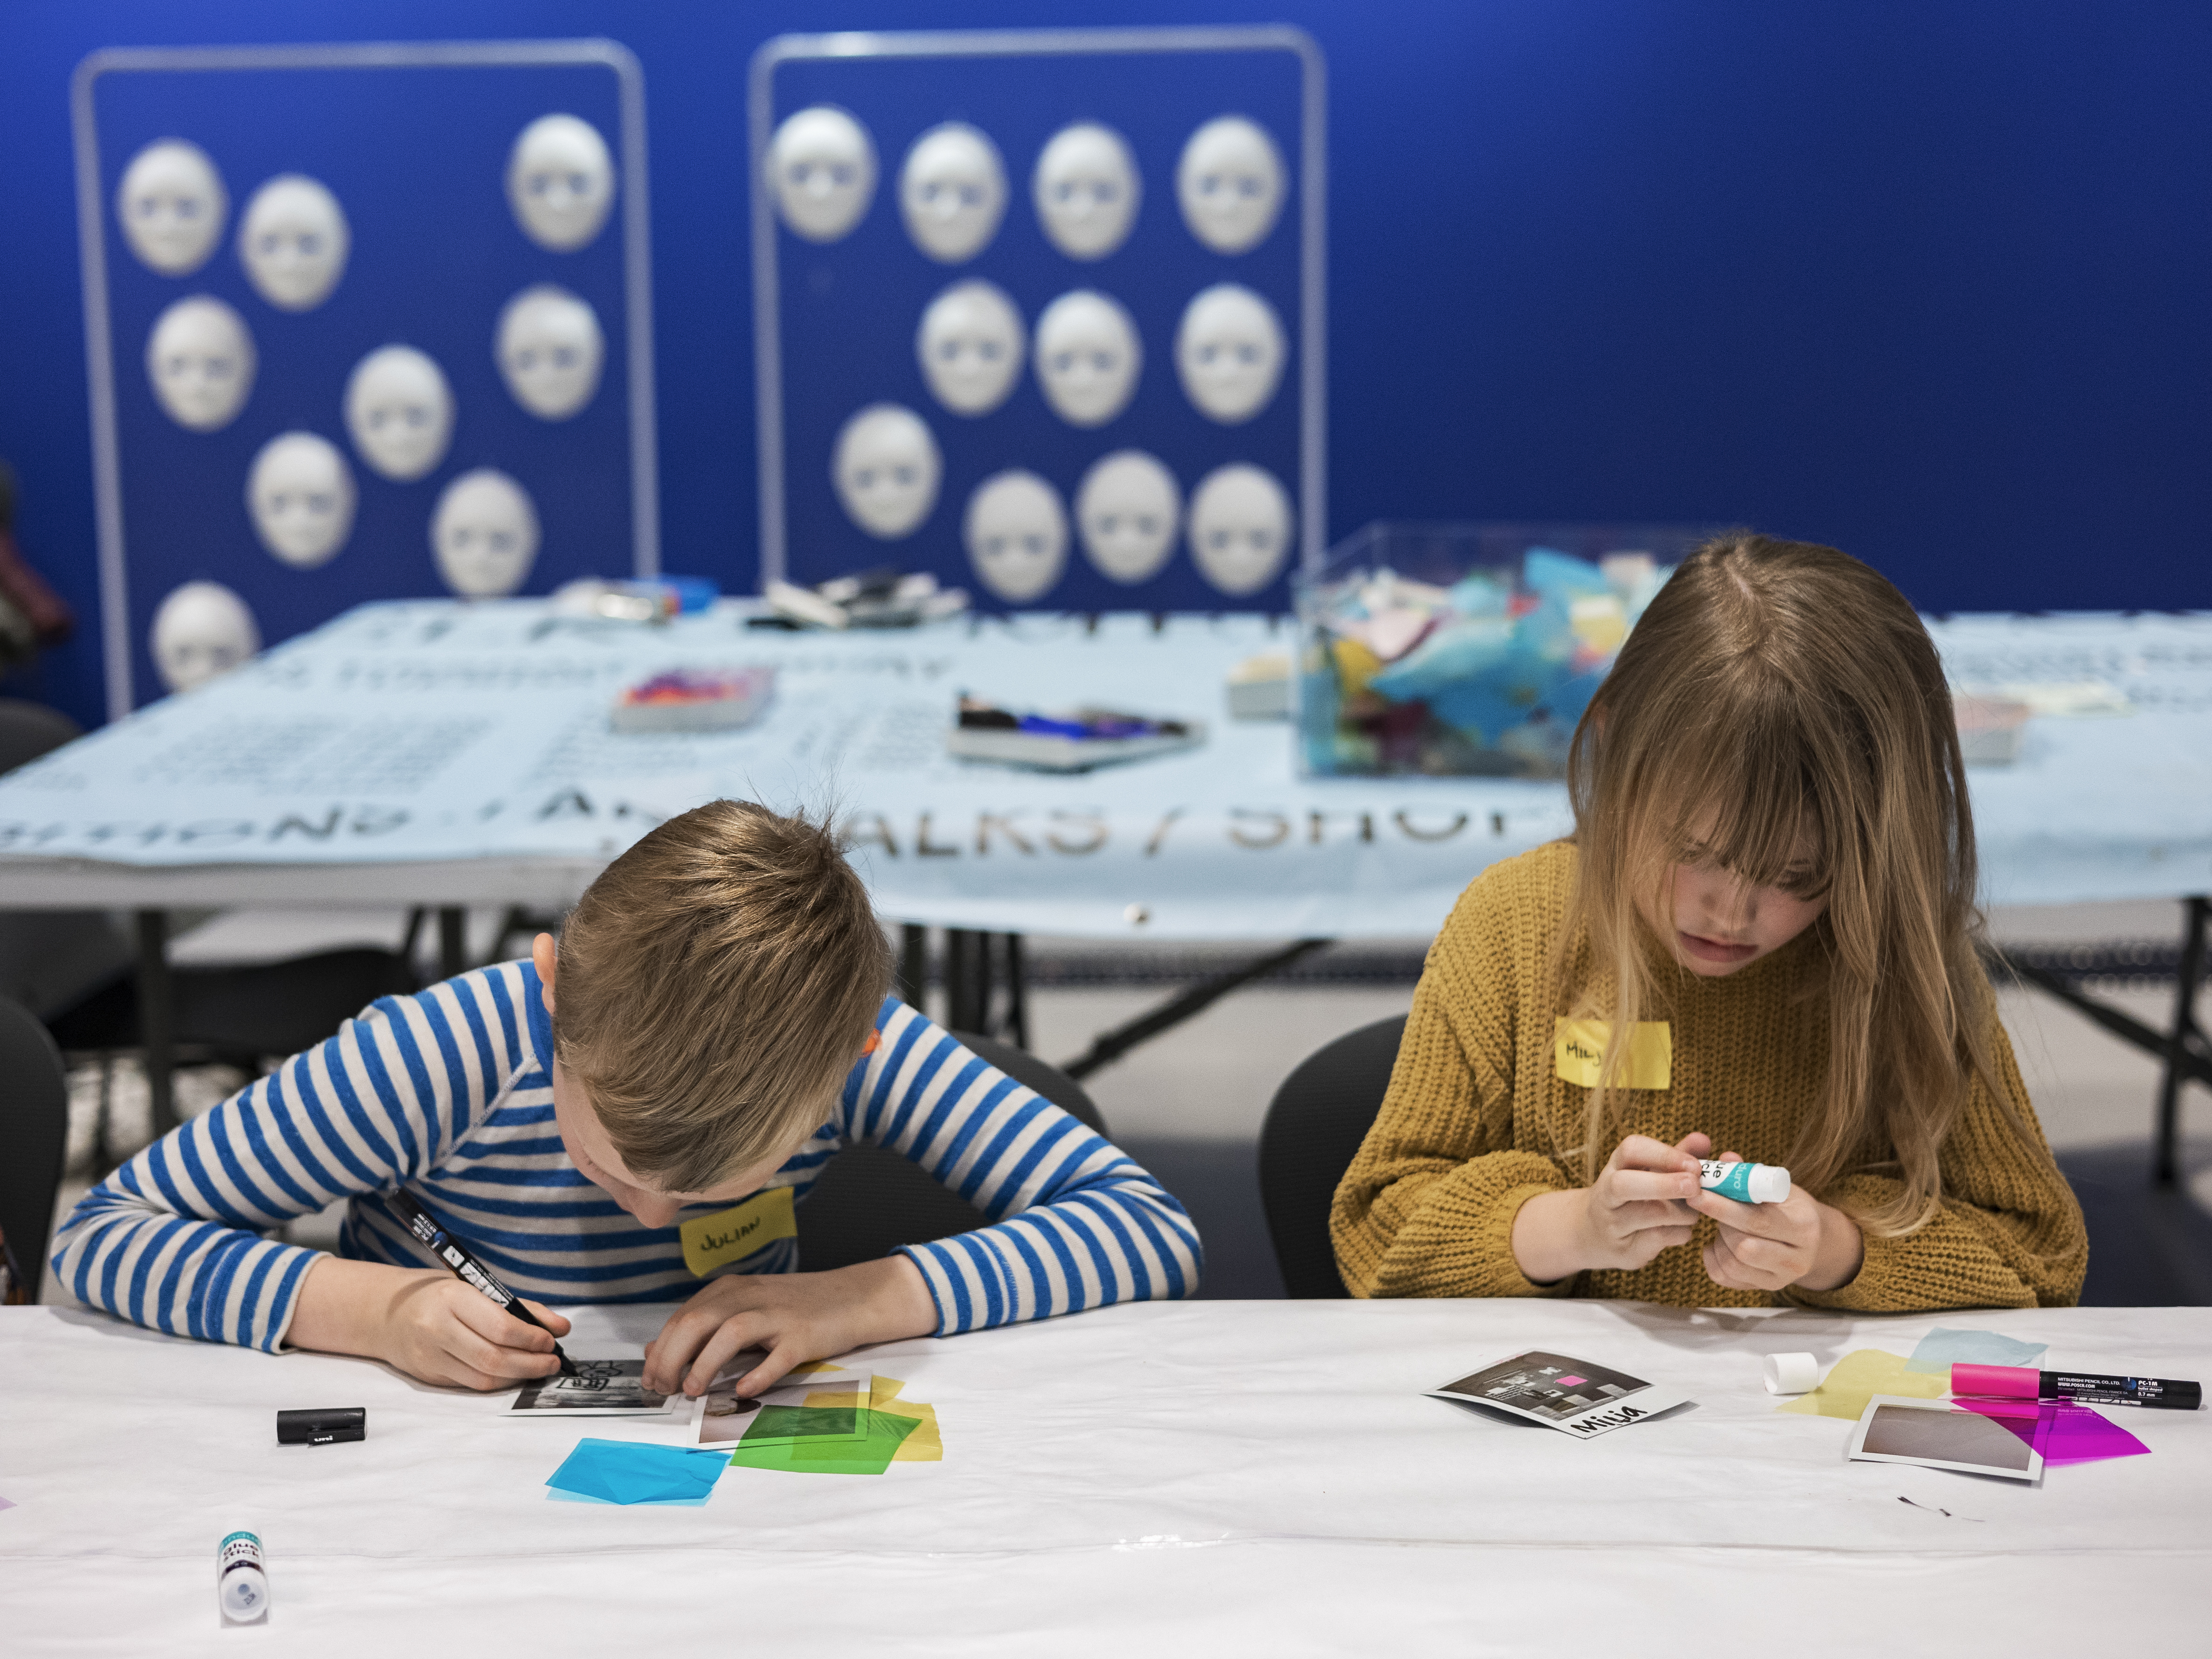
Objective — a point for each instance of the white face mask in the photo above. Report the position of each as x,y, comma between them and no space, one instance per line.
952,193
293,242
1240,528
399,411
1088,357
970,346
172,205
822,166
560,182
485,534
300,494
1127,510
550,351
1229,184
202,630
886,471
1229,353
1086,191
200,361
1016,535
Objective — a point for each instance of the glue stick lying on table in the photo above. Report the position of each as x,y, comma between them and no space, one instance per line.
1746,1184
241,1579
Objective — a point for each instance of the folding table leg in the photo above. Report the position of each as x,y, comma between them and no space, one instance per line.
452,941
914,966
2186,1040
967,980
1017,1008
157,1017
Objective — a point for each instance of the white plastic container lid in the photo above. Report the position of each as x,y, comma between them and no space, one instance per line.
1791,1373
1768,1183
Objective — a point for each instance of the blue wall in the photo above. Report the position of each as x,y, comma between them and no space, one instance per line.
1930,281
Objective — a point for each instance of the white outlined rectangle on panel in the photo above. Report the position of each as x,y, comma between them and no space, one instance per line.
118,644
779,451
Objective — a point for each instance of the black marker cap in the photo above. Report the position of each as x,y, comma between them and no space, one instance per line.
321,1427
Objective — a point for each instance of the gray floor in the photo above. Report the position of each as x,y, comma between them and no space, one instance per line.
1190,1103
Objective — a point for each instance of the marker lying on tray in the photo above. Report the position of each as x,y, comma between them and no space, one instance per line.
466,1268
2084,1387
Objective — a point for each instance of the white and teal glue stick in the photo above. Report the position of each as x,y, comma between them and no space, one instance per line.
1746,1184
241,1579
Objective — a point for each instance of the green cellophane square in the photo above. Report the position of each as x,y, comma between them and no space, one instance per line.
883,1433
787,1424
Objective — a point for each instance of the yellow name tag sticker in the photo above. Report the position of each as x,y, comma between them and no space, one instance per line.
1579,1045
732,1234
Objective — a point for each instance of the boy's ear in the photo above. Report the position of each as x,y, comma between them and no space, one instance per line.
543,956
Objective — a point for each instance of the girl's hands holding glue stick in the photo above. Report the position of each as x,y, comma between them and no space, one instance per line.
795,1316
1636,1207
1766,1247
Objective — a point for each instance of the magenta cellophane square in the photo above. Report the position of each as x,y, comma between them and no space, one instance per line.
2060,1430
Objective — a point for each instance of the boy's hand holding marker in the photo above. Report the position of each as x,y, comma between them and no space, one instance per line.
424,1322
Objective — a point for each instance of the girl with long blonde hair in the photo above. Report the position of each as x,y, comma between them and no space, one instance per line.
1761,942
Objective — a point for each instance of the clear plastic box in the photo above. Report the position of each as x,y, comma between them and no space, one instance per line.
1467,649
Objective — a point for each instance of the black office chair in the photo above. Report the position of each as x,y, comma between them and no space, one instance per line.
33,1134
49,959
267,1010
869,1200
28,730
245,1013
1313,1130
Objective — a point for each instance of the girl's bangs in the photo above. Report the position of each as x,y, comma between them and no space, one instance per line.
1738,796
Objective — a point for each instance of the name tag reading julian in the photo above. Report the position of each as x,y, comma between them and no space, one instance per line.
732,1234
1579,1045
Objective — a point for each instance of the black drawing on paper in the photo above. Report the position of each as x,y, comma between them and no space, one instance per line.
599,1385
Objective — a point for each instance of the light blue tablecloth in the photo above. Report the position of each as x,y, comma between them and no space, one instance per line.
432,731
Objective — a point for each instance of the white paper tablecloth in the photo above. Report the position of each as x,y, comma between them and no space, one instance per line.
1200,1478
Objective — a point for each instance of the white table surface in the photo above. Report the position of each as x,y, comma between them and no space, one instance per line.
1198,1478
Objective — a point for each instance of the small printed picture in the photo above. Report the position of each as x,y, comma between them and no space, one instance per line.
1935,1434
607,1387
825,1405
724,1418
1546,1385
1561,1392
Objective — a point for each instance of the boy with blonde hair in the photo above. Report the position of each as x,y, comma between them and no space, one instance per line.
711,1027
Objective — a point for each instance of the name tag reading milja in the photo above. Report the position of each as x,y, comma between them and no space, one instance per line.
1579,1049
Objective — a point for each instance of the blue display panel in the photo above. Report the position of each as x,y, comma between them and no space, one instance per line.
414,143
839,310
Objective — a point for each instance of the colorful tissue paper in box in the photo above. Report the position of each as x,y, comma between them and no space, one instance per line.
695,699
1486,673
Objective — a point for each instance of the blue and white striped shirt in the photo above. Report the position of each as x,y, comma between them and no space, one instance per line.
449,1094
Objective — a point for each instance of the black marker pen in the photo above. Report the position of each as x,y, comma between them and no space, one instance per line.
2018,1383
466,1268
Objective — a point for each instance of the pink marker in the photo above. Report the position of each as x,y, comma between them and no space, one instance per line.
2018,1383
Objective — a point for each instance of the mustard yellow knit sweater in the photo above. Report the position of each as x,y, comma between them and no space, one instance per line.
1467,1132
